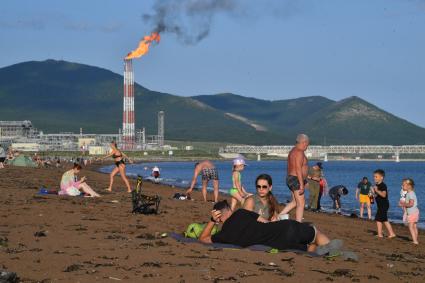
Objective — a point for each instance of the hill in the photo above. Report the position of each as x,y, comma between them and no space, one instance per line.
275,115
349,121
359,122
63,96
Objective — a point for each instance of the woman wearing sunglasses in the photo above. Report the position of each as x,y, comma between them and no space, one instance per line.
263,202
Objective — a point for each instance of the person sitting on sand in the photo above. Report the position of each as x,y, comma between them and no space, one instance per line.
71,187
244,228
118,157
335,193
263,202
208,171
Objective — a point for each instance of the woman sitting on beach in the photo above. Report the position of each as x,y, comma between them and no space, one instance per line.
71,187
118,157
263,202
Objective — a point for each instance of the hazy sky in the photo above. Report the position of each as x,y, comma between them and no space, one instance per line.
270,49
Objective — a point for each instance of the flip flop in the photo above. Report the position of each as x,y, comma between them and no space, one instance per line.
333,254
332,246
351,256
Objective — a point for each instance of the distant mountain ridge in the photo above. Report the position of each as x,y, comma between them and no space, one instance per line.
63,96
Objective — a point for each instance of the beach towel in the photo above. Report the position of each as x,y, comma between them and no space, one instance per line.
258,248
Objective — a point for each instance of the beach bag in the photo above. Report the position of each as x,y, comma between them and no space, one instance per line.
144,204
194,230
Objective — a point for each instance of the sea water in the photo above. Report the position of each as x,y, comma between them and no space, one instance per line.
349,174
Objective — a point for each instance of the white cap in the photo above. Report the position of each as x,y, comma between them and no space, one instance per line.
239,161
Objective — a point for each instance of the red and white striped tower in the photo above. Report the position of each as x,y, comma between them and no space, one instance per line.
128,131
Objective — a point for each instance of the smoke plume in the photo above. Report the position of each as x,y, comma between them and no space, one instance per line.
189,20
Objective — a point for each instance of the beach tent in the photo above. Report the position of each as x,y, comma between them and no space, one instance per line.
23,161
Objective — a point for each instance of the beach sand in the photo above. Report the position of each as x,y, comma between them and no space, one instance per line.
87,240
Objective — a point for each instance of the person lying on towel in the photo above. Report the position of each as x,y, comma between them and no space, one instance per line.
245,228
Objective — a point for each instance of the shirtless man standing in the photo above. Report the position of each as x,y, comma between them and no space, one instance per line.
297,175
209,172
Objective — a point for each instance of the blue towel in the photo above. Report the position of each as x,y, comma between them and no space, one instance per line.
258,248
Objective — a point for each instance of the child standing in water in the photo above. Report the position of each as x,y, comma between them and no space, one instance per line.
411,206
381,192
237,192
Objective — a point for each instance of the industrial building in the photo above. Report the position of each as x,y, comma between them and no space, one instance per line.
21,135
13,129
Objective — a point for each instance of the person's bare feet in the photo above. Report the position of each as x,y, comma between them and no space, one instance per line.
108,190
415,243
392,236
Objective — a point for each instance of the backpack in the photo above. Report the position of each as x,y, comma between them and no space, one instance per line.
194,230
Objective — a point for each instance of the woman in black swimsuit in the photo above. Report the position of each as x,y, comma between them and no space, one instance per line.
118,157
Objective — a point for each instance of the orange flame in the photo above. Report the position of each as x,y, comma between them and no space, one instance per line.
144,45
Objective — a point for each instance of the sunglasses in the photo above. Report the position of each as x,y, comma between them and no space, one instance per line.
262,187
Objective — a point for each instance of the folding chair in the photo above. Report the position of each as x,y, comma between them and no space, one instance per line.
142,203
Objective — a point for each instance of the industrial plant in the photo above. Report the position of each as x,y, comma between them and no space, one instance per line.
23,136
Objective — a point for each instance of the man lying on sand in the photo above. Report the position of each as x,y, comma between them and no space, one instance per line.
243,228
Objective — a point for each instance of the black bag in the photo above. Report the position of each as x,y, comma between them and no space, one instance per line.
142,203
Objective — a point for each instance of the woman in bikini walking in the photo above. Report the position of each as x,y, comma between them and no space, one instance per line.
118,157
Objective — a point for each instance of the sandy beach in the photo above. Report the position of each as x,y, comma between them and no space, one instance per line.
47,238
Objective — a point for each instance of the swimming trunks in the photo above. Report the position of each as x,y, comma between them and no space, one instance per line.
209,174
293,183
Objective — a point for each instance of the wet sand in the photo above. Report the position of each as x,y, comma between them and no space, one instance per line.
71,239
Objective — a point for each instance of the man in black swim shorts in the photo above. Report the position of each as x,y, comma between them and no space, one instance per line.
293,183
296,176
209,173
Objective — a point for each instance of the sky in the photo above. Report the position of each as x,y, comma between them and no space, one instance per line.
269,49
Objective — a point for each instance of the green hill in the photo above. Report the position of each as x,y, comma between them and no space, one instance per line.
356,121
60,96
277,115
63,96
349,121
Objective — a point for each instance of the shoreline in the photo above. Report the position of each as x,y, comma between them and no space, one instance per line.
421,226
100,240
